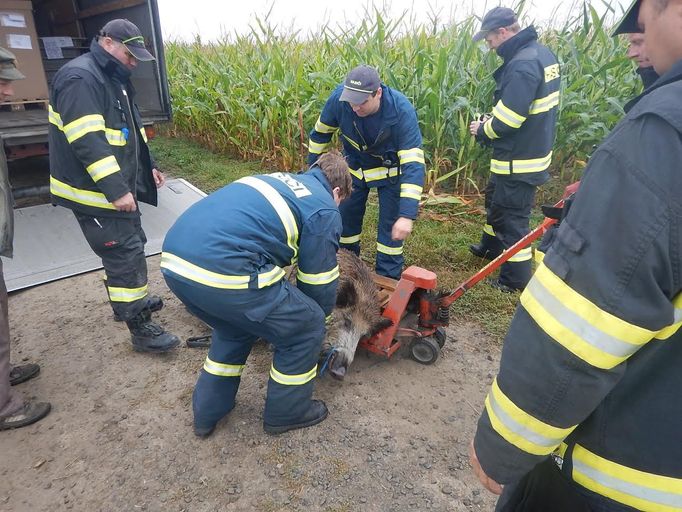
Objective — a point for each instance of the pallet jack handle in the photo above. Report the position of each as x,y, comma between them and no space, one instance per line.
539,231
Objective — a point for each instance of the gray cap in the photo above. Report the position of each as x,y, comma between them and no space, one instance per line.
8,66
360,83
495,18
126,32
629,24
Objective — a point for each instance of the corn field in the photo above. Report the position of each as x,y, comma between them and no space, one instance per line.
258,95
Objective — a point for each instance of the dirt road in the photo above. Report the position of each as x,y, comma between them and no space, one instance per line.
119,437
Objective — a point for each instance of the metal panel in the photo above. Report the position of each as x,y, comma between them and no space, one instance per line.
49,245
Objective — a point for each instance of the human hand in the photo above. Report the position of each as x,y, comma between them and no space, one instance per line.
125,203
487,482
159,178
473,127
401,229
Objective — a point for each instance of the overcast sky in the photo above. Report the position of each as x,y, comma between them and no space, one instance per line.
182,19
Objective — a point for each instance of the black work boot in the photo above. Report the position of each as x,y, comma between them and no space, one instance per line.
153,303
488,248
148,336
315,414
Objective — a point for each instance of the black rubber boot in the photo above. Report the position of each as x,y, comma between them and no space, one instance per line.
316,413
148,336
153,304
488,248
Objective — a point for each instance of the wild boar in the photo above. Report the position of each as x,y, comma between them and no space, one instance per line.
357,314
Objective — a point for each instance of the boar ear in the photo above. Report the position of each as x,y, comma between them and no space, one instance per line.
346,295
381,324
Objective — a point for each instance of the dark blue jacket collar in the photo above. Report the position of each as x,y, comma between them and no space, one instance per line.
510,47
109,64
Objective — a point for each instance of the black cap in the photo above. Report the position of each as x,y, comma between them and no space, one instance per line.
629,24
496,18
360,83
126,32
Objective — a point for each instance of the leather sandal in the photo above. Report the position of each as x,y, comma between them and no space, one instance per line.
22,373
28,414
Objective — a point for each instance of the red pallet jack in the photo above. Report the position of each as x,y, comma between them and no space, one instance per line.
420,313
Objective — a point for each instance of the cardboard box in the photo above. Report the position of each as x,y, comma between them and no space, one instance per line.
18,35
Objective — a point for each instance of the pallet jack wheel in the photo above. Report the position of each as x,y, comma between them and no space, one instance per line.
441,336
425,350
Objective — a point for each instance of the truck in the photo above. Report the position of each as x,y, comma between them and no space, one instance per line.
44,35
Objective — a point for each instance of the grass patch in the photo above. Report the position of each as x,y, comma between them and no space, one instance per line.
439,241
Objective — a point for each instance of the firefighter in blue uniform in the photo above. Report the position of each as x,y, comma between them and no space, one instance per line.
585,412
224,259
521,132
382,143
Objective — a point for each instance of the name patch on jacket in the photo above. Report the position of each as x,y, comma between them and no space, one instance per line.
298,188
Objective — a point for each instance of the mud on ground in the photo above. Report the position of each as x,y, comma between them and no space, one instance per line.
119,437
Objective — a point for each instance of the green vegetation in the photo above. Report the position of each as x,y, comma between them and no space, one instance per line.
257,96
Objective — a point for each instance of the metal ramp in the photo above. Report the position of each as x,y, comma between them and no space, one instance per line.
49,245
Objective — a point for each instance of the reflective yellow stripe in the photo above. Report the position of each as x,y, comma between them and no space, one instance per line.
82,126
350,239
320,127
271,277
352,142
411,155
103,168
519,428
665,333
317,147
391,251
561,451
411,191
281,208
507,115
637,489
544,104
379,173
523,255
143,132
118,294
86,197
357,174
521,166
223,370
206,277
592,334
488,229
318,279
115,137
552,72
54,118
292,380
538,256
488,129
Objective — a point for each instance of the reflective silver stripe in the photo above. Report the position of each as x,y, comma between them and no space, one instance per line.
391,251
488,129
143,132
292,380
200,275
357,174
115,137
55,118
318,279
317,147
544,104
281,208
507,115
523,255
521,166
349,239
77,195
352,142
587,340
547,444
488,229
271,277
103,168
324,128
411,191
118,294
632,487
379,173
411,155
223,370
82,126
